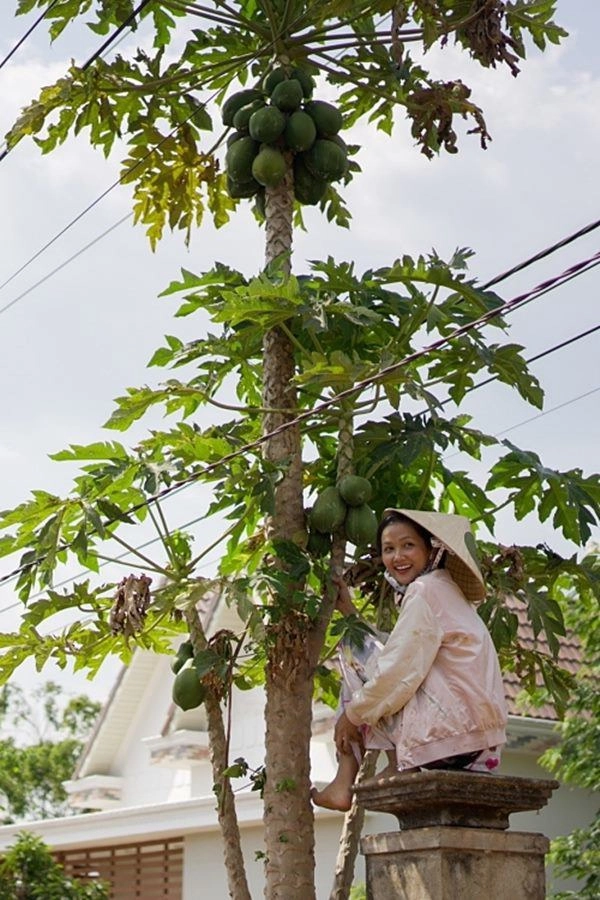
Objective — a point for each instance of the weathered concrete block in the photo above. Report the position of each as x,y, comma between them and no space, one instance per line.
446,863
453,844
421,799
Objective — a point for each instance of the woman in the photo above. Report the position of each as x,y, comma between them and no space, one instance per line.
431,695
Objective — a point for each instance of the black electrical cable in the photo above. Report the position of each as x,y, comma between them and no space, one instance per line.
107,43
65,263
542,254
548,285
112,37
29,31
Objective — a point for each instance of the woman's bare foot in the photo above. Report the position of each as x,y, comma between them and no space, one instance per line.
333,796
338,793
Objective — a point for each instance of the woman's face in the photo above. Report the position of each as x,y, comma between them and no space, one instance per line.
403,551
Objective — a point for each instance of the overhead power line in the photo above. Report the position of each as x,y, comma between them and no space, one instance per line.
195,521
534,293
496,280
115,34
201,105
587,229
65,263
29,31
105,46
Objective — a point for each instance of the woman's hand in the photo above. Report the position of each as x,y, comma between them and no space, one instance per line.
346,734
343,601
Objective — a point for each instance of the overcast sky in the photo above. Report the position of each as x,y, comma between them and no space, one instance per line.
79,339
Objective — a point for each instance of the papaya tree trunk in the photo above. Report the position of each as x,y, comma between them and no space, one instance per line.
288,817
219,757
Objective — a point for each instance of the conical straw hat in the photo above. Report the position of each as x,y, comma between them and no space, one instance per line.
455,534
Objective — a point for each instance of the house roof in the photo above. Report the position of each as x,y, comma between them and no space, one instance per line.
569,658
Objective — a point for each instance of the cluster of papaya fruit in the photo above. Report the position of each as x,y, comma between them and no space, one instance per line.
281,118
188,690
344,506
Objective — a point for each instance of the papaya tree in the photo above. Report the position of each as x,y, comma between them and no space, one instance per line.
328,379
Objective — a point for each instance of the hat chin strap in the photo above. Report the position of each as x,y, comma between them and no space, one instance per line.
438,549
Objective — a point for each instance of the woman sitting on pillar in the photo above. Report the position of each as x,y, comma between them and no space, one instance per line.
431,694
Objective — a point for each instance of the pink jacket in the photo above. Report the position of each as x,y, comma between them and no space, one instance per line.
435,689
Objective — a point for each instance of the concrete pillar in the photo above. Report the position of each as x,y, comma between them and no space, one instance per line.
453,843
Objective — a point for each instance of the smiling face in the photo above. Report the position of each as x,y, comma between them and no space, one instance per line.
404,552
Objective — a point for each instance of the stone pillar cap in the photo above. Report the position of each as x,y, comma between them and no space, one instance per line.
465,799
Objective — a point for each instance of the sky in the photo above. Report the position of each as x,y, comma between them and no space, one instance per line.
73,343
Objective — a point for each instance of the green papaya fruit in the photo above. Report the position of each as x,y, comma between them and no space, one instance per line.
300,132
326,160
307,81
318,544
266,124
273,78
360,526
355,490
188,691
234,136
308,189
242,116
240,190
329,511
236,101
287,95
239,159
269,167
185,651
327,118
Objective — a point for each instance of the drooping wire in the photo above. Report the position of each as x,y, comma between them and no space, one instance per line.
195,521
200,106
587,229
115,34
65,263
539,290
29,31
105,46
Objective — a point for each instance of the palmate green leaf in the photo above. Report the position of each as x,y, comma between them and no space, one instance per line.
105,450
465,439
508,364
206,289
502,623
572,500
86,645
462,495
133,406
536,18
546,617
337,371
456,366
465,356
266,301
32,513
